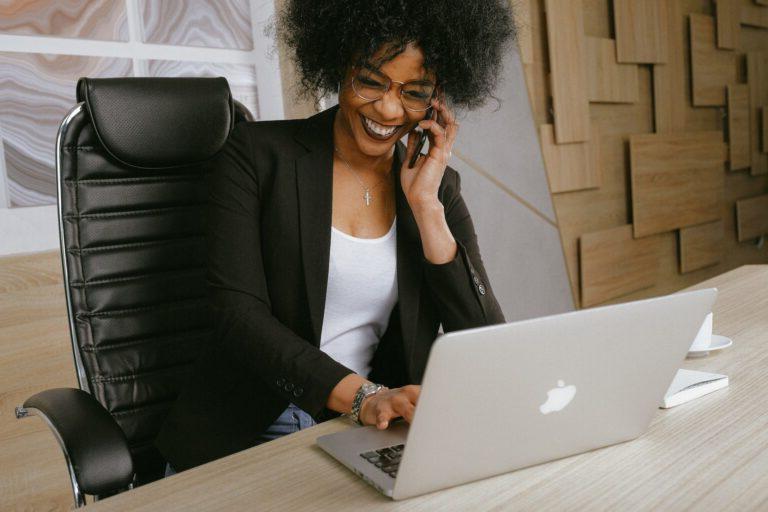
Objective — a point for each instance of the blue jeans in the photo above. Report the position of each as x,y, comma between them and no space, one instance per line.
291,420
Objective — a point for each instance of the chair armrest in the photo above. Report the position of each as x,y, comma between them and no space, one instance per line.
94,445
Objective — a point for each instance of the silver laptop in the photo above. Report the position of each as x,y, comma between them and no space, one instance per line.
503,397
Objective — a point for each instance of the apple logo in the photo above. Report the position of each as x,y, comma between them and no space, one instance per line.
558,398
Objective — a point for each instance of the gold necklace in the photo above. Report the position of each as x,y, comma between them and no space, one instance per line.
367,195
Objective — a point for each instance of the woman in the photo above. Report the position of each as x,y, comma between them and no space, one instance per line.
332,262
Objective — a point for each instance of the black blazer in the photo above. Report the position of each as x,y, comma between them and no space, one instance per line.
268,231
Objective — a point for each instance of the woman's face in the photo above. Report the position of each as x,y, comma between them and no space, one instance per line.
361,119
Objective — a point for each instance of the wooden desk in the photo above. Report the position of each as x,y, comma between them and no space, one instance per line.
710,454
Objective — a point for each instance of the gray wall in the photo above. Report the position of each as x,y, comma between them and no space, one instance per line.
504,184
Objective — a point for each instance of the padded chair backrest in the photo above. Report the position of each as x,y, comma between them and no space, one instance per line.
131,158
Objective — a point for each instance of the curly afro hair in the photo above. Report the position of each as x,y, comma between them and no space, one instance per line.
463,40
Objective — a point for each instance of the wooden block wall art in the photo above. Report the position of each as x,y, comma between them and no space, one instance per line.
640,31
524,30
739,154
711,69
609,81
677,180
752,217
701,246
571,166
615,264
753,15
670,99
728,14
757,80
568,65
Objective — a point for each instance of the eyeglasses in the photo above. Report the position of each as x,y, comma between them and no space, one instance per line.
371,85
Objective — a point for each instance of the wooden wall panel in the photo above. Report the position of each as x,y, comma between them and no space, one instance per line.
614,264
640,34
701,246
670,97
524,30
711,69
537,79
677,180
757,80
571,166
609,81
764,129
739,154
757,77
568,65
598,18
607,206
752,217
728,14
664,106
753,15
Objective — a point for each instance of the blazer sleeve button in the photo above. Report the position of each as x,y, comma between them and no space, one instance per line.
298,391
289,386
280,382
476,280
481,289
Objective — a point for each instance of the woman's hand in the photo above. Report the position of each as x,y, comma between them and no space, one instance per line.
421,182
381,408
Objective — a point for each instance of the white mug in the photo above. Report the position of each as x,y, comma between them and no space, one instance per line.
704,337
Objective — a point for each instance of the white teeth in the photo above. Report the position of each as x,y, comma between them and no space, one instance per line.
379,129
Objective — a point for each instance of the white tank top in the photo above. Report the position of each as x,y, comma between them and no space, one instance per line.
362,290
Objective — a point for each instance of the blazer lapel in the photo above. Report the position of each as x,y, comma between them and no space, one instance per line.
314,182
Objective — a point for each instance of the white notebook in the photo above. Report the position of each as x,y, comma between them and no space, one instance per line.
691,384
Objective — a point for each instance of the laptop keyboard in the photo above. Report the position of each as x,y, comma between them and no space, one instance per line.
386,459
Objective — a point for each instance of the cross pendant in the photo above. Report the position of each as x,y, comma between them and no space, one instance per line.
367,197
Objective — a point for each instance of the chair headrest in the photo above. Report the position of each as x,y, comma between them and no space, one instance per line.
159,122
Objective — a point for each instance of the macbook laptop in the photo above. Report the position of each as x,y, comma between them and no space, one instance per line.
503,397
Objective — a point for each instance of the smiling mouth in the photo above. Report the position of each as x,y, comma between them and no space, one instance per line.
378,131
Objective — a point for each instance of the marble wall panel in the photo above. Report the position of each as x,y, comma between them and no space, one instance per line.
219,24
241,77
31,182
91,19
36,91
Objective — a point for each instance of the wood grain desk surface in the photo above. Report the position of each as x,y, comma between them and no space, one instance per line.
710,454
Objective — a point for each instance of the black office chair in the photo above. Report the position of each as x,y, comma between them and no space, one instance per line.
130,162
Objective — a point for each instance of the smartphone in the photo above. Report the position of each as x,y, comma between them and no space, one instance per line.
422,140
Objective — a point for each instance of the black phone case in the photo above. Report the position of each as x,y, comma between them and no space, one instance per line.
420,144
